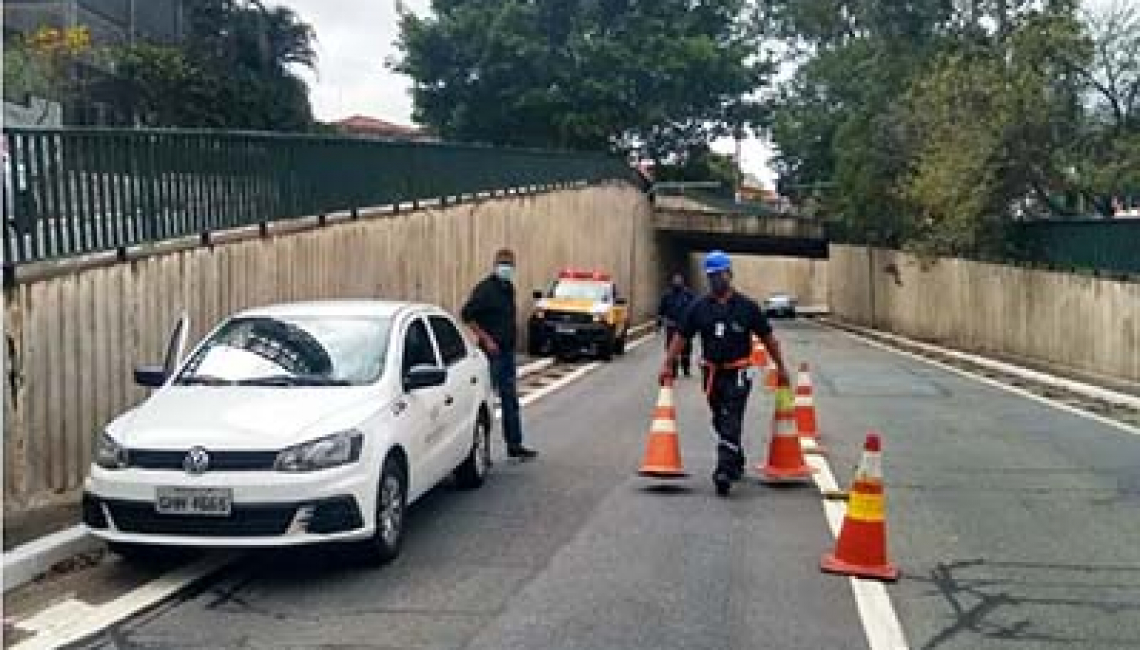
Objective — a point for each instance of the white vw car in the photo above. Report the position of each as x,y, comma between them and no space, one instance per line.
295,424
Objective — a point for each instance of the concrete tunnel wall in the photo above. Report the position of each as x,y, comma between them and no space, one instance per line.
1076,321
73,339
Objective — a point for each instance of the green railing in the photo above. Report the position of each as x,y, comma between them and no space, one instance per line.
1111,245
70,192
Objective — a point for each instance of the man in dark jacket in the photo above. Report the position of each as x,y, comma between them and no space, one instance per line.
490,313
671,313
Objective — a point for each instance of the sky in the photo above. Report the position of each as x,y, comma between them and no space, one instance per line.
356,37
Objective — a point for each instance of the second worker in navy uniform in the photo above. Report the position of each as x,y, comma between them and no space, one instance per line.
725,320
670,312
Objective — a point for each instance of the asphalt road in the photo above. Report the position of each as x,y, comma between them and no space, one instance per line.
1016,526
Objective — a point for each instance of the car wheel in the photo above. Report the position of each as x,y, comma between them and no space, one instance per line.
619,347
391,505
606,346
472,472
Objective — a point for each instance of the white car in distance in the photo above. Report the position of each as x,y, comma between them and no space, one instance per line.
295,424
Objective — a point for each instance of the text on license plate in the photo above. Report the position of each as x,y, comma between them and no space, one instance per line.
564,329
193,501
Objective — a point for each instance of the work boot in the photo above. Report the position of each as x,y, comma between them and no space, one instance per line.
723,483
521,453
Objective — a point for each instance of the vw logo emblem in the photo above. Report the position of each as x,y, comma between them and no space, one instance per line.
196,461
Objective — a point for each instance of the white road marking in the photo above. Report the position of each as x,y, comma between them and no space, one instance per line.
880,622
71,621
567,379
997,384
1096,392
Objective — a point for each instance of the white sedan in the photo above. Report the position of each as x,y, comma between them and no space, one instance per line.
295,424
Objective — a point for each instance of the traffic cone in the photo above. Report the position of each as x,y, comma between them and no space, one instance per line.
805,405
861,550
772,376
805,413
663,451
786,462
759,354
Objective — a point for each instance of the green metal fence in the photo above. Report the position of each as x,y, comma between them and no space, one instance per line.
1100,244
69,192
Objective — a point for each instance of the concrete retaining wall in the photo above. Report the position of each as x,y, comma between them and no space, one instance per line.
1081,322
73,339
760,275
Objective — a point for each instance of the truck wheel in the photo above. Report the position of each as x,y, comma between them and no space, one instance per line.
606,347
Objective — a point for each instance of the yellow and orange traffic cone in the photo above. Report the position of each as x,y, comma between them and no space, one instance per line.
786,462
861,549
663,450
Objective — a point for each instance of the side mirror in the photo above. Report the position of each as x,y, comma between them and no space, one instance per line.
537,294
622,301
150,376
424,376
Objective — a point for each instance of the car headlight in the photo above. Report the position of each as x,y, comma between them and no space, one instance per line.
331,451
598,318
539,314
110,454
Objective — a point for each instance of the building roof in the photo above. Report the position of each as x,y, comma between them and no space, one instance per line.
365,125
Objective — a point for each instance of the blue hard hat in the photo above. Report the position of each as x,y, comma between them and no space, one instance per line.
717,261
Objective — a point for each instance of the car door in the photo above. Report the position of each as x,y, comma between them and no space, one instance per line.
424,408
460,403
176,345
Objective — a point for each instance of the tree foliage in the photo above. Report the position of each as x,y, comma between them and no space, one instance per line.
235,71
41,63
662,76
933,123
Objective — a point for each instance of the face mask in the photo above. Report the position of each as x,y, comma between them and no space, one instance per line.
505,272
720,284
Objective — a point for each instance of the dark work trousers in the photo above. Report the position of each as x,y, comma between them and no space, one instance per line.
682,360
504,375
727,399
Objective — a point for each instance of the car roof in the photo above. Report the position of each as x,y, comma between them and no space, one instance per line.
343,308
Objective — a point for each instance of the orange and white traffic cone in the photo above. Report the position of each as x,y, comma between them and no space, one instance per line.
663,451
786,462
772,376
759,358
805,412
861,550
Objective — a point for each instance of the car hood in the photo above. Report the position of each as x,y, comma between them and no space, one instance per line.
235,417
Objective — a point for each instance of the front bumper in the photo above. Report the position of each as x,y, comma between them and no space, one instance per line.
569,336
268,509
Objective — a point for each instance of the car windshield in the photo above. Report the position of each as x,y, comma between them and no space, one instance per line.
291,351
574,290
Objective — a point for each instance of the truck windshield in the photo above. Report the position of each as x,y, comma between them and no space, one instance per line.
581,290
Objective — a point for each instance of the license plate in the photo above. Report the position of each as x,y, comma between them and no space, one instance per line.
215,502
564,329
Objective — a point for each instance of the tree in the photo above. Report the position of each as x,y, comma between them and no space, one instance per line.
934,123
660,77
42,64
700,163
969,175
235,72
